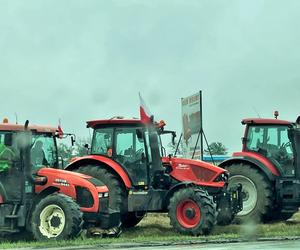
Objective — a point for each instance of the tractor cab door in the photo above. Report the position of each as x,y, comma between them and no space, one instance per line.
289,186
130,152
295,138
11,173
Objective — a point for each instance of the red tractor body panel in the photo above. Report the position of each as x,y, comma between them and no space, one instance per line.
37,128
94,123
265,121
265,161
101,159
198,172
66,182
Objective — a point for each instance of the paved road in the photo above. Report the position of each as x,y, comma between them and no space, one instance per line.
282,245
266,245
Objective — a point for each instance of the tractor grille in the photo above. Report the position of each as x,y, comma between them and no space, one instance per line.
203,174
84,197
104,205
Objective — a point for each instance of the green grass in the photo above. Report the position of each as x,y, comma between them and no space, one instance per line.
156,228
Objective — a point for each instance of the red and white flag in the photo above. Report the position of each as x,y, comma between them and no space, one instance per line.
145,113
59,130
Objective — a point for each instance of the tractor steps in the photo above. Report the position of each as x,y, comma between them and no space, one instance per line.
9,230
13,216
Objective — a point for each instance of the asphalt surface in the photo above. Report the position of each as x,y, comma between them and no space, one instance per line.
265,245
284,245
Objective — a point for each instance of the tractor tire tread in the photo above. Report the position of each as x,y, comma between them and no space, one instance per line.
207,207
74,217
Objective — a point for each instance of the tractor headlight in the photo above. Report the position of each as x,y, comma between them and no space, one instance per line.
222,177
103,195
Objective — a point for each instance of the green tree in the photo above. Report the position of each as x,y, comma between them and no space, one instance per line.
216,148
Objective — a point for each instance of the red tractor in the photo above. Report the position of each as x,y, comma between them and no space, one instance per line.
126,155
36,196
268,169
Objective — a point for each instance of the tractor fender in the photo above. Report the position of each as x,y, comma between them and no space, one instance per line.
173,190
46,192
101,160
270,173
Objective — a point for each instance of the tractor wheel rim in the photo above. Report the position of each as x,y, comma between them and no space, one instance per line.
188,213
249,193
52,221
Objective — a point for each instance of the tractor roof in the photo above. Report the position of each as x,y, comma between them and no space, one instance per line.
36,128
263,121
118,120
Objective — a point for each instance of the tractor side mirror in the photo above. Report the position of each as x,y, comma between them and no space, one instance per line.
72,140
173,138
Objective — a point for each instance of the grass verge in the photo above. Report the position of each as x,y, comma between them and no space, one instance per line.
156,228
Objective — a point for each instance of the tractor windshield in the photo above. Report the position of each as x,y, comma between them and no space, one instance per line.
43,151
272,142
102,141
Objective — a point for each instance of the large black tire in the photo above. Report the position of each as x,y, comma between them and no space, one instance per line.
115,187
192,211
131,219
56,217
256,191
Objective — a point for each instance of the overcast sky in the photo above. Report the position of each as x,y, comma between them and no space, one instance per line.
82,60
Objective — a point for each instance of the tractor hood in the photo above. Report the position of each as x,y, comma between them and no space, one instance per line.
61,173
64,178
82,188
196,171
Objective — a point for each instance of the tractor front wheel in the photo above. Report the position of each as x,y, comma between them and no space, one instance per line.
56,217
192,211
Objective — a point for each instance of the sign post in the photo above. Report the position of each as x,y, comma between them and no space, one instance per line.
191,108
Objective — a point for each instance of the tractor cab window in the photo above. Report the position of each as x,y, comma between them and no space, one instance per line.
9,153
130,152
102,142
273,143
43,151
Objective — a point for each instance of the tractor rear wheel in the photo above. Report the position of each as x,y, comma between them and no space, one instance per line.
56,217
256,192
116,193
115,187
192,211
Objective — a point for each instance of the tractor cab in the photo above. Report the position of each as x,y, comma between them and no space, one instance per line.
128,143
43,153
271,138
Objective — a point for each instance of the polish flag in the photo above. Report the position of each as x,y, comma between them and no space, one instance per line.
59,130
144,111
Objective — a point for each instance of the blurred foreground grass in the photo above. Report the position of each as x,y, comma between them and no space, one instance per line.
156,228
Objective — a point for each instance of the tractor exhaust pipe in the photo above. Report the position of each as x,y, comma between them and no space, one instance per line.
26,153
